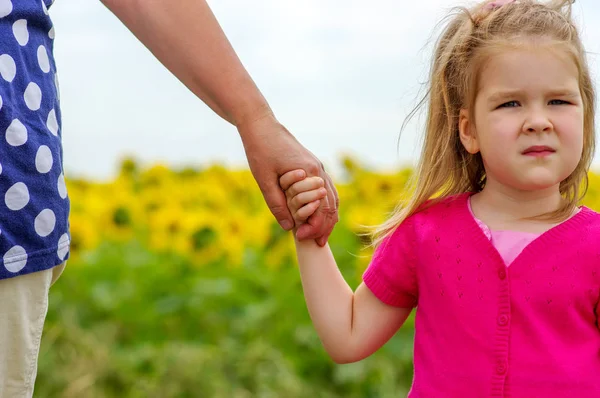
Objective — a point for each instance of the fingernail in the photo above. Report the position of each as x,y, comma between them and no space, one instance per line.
286,224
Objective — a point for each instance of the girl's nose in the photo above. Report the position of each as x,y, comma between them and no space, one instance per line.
537,122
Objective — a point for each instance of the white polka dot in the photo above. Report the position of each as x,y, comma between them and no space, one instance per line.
63,246
6,8
45,222
44,7
0,102
43,60
8,68
62,187
20,31
17,196
0,169
16,133
17,257
33,96
52,123
57,86
43,159
51,33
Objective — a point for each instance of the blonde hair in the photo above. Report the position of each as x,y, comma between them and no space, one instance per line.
445,167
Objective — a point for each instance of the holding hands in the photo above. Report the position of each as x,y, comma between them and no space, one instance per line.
303,195
272,152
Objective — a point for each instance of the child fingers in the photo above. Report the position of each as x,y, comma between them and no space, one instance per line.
307,184
304,198
289,178
308,210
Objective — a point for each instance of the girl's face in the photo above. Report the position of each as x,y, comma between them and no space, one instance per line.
528,122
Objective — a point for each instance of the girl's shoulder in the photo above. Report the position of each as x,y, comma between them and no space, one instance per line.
589,218
440,214
442,206
591,212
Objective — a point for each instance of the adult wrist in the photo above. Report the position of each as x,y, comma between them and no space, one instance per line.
254,123
252,113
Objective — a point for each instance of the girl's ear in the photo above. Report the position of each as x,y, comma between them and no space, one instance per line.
467,133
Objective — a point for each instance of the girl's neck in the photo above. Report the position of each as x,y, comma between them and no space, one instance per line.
504,208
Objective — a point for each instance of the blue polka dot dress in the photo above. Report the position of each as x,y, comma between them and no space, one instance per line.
34,205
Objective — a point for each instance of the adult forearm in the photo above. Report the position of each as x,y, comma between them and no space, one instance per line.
186,38
328,297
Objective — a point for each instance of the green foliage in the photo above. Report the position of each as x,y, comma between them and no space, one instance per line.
126,322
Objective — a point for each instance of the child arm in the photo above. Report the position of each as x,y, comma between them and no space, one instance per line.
351,325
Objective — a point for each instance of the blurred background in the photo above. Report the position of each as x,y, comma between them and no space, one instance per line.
180,282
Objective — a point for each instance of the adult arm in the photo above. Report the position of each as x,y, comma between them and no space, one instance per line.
203,60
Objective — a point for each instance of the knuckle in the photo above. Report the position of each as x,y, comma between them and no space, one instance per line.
295,202
317,182
283,180
284,185
325,206
291,191
313,169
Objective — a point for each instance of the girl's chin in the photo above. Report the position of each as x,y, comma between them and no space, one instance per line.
538,183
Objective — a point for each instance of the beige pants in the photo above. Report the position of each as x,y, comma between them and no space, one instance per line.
23,308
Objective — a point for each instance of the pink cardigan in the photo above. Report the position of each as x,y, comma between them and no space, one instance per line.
485,330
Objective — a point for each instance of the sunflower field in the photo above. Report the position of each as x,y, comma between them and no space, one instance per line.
180,283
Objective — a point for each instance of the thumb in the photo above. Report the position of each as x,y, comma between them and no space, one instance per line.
277,203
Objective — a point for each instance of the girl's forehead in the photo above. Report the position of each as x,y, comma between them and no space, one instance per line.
522,69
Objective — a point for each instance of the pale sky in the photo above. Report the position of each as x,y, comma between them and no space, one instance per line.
340,74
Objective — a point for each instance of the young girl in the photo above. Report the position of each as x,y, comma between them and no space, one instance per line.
493,249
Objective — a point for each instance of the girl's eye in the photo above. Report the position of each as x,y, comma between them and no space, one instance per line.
513,104
510,104
557,102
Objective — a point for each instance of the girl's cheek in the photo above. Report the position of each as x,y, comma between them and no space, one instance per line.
570,129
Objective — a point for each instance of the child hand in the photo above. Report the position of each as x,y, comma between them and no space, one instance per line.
303,194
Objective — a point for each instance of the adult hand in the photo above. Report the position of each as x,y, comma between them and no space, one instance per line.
272,151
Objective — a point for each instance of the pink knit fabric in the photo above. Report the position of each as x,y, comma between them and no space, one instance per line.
484,330
508,243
